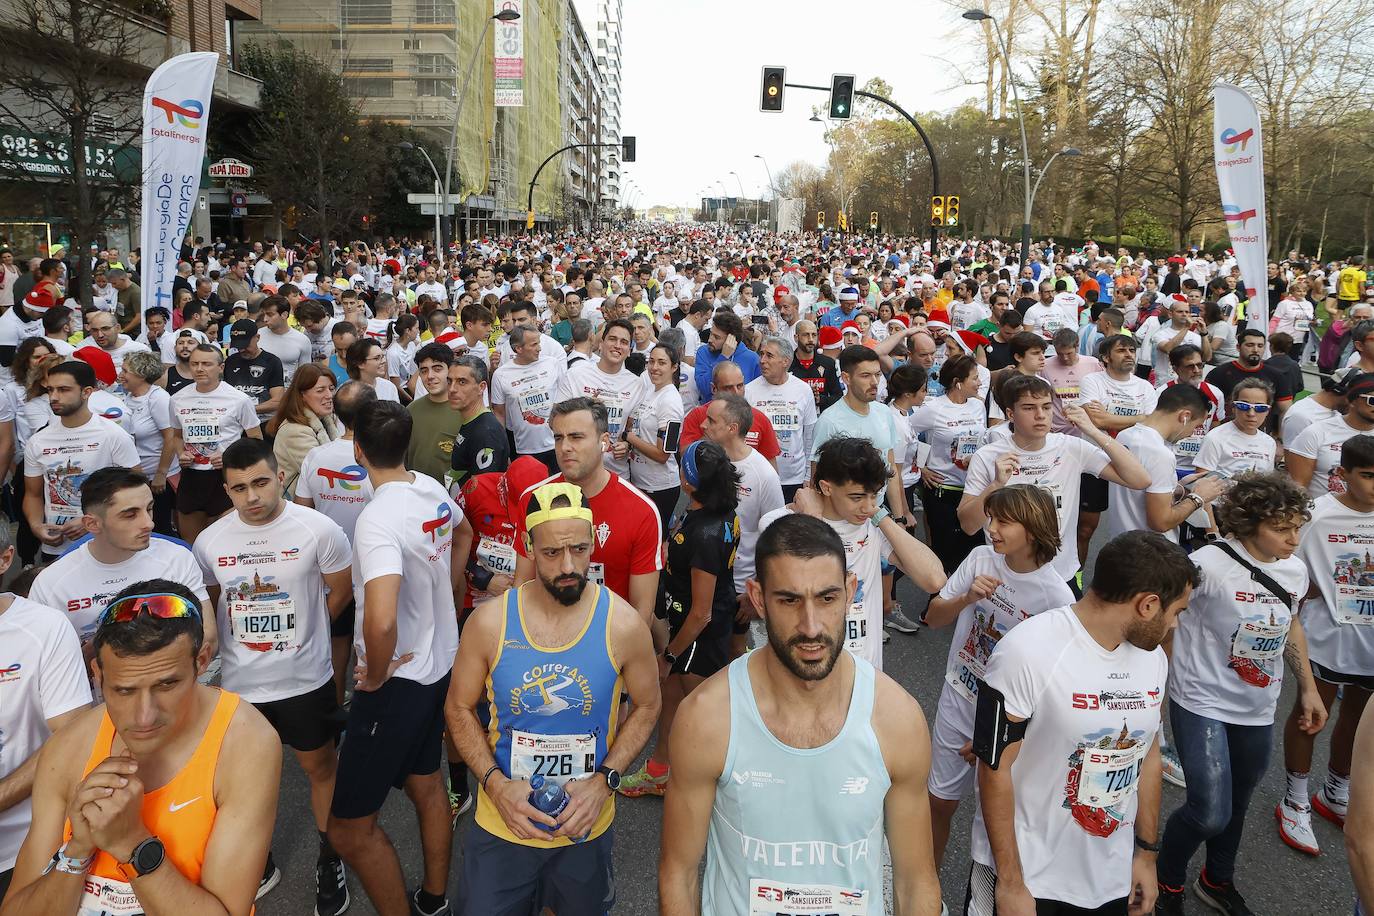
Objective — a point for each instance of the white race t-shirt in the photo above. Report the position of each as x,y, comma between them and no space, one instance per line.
791,408
1164,370
292,348
865,548
1133,397
1228,648
1229,451
272,616
42,676
211,421
760,492
1094,715
150,414
110,406
407,531
64,457
1186,449
13,332
982,625
1126,507
621,393
527,393
1337,547
1322,441
1300,416
1055,468
82,586
657,409
954,433
334,481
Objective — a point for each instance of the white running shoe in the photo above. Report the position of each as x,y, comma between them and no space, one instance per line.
1295,828
1329,808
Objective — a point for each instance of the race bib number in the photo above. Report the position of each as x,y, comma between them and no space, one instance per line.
776,898
200,426
558,758
596,572
856,629
108,897
1110,774
269,623
1355,604
965,683
1259,641
496,557
964,447
1302,324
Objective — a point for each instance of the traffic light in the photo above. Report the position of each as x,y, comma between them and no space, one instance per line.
820,219
937,211
529,219
774,79
844,226
873,220
952,210
841,96
627,149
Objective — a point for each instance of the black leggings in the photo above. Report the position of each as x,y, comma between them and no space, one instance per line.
947,538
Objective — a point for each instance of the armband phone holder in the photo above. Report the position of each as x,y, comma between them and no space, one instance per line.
992,732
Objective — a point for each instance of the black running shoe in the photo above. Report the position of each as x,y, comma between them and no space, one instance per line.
331,888
271,877
1224,898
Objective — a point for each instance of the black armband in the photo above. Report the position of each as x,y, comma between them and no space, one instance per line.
992,732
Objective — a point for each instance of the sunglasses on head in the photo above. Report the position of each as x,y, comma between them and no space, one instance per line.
162,605
1246,407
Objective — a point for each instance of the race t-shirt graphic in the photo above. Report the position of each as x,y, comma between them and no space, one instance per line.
63,490
1103,771
262,617
1354,580
1256,645
346,478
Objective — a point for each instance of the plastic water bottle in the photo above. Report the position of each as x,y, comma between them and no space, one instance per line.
548,797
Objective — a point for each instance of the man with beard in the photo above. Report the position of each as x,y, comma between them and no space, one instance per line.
1250,364
804,725
1067,735
553,715
816,369
726,342
179,373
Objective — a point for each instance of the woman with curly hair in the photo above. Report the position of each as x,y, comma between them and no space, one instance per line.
1225,677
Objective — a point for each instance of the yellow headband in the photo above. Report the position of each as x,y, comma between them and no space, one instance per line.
545,496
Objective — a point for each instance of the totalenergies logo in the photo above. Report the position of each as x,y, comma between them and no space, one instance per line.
438,527
1233,140
349,478
187,113
1235,214
112,413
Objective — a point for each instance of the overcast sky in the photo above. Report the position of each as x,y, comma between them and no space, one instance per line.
691,77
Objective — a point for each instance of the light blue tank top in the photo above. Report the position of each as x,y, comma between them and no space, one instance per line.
797,828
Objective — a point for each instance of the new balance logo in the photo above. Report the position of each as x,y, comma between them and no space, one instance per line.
854,785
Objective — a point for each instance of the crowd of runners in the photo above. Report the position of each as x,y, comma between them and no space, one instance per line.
487,525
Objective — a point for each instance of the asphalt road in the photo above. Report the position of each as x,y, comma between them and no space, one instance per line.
1273,878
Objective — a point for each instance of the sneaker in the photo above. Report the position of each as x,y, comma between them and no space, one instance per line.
1329,808
1169,902
1224,898
458,804
887,637
415,910
271,877
331,888
641,783
900,622
1295,828
1173,767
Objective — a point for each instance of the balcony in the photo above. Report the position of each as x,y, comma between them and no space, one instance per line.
238,89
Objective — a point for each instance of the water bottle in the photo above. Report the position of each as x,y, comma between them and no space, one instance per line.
548,797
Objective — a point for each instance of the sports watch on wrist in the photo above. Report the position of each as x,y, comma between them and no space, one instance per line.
146,858
669,657
612,777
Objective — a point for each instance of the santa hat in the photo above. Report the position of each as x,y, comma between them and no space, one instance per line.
779,292
938,318
100,361
39,300
849,294
1179,298
900,319
970,340
830,336
850,326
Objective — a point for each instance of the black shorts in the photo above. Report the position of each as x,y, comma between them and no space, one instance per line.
1092,493
1359,681
501,878
980,899
704,657
307,722
393,733
789,491
202,491
342,626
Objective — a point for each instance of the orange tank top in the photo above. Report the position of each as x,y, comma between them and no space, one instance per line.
181,814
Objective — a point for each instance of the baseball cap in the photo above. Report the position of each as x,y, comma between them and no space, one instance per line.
1339,381
242,331
1360,384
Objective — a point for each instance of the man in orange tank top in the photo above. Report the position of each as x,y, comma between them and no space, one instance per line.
164,797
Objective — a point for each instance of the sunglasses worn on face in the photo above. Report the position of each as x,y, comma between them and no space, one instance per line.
1246,407
165,606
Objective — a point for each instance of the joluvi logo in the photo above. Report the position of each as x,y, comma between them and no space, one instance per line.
187,113
1233,139
349,478
438,527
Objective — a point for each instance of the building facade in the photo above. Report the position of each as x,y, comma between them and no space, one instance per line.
608,63
582,107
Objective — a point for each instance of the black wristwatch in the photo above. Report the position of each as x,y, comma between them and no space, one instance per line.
1148,847
146,858
669,657
612,777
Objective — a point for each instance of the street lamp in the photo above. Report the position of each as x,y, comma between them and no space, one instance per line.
438,234
1066,151
981,16
506,15
771,187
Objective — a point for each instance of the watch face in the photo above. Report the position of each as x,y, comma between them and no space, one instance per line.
148,856
612,779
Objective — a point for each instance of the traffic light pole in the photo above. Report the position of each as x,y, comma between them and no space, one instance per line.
930,150
530,208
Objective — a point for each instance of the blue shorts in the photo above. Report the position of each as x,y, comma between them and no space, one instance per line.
501,878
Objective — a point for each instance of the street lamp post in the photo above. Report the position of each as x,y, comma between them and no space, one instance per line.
1066,151
773,189
980,16
740,182
506,15
438,233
